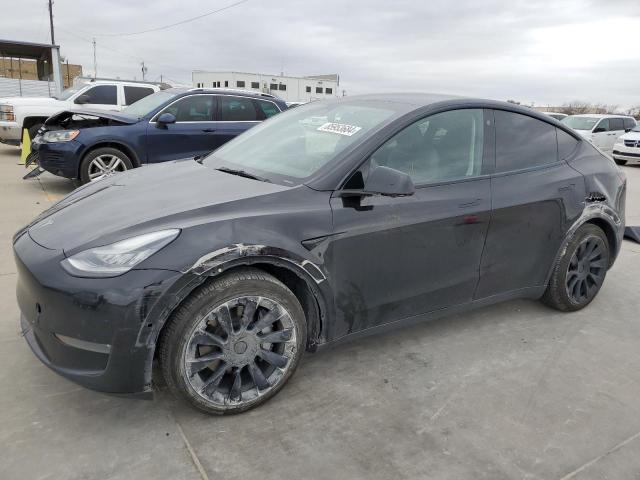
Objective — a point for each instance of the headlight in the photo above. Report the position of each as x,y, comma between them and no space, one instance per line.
60,136
7,113
118,258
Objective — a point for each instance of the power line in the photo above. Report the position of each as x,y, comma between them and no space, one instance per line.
172,24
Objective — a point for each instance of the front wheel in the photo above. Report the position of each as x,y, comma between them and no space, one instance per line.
234,343
102,162
580,271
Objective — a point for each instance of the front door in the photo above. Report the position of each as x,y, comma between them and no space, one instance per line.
195,131
393,258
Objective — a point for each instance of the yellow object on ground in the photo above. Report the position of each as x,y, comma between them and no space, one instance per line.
26,146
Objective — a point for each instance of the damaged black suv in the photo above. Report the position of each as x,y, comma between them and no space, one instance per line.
337,219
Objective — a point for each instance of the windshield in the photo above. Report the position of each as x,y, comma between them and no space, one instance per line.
581,123
296,144
69,92
148,104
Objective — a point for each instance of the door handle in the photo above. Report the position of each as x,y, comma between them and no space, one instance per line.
209,130
473,203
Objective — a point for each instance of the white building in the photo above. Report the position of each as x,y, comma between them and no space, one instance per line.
290,89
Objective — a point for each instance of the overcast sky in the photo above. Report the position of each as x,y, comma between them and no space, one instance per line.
548,51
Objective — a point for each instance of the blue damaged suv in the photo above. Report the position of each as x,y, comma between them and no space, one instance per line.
167,125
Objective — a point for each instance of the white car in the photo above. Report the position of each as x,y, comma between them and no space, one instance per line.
17,113
556,115
627,147
601,130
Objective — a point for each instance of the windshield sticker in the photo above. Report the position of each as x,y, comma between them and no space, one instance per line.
339,128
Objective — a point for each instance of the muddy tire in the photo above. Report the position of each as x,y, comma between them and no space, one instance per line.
103,162
580,271
234,343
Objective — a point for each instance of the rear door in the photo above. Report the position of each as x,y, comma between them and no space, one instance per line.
393,258
536,197
616,129
236,115
192,133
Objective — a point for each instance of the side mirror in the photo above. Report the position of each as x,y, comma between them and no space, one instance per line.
627,130
165,118
599,130
384,181
82,99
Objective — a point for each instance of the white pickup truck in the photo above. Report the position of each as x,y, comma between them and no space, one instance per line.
17,113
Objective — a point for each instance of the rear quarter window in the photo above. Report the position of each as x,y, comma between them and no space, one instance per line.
566,144
523,142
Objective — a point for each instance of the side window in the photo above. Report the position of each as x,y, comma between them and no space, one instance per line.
103,95
196,108
566,144
237,109
443,147
616,124
133,94
604,123
523,142
629,123
268,109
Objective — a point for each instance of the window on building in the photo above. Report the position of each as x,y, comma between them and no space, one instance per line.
443,147
273,86
523,142
255,84
328,91
103,95
308,89
282,86
268,109
226,83
133,94
195,108
235,109
318,89
240,84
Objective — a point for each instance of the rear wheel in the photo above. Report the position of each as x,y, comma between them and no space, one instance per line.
620,162
234,343
102,162
580,272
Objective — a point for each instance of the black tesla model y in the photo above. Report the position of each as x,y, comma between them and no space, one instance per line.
332,220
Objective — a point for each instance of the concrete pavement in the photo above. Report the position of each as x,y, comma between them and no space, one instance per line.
512,391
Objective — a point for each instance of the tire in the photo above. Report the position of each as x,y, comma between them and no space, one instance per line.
226,381
107,160
33,129
580,271
620,162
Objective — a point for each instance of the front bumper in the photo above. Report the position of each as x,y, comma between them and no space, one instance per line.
630,154
99,333
10,132
60,158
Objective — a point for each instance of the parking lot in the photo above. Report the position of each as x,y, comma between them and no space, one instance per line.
512,391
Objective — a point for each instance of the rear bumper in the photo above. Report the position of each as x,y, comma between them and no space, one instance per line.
99,333
62,158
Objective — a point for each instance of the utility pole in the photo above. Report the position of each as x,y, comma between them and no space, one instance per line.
53,41
95,62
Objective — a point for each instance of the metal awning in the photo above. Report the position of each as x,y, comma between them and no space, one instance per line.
37,51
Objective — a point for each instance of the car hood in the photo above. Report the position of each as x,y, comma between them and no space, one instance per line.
630,136
169,195
111,115
27,101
